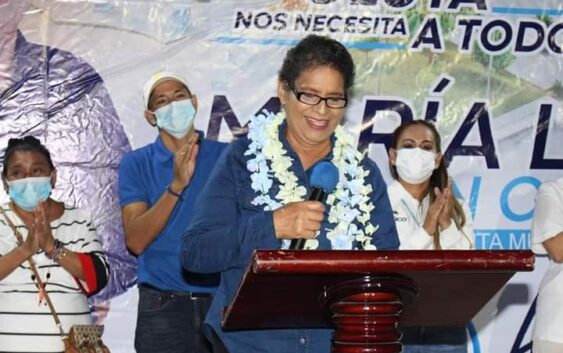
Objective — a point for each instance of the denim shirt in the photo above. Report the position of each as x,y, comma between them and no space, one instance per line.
227,228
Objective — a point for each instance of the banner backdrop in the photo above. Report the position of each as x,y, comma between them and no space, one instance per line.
488,72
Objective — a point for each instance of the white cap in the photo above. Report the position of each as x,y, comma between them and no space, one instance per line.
157,78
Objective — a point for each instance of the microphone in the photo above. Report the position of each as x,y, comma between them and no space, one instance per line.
324,177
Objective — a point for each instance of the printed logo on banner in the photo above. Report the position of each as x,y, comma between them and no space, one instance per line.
401,25
519,345
402,4
502,239
388,27
473,337
351,2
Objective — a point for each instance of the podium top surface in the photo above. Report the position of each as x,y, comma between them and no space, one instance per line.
346,261
285,288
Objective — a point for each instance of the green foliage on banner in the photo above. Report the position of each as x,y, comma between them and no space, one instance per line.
546,19
447,22
416,15
497,62
557,89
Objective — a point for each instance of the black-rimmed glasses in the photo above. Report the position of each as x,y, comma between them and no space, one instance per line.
313,99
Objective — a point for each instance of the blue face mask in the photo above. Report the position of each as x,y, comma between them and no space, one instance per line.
27,192
176,118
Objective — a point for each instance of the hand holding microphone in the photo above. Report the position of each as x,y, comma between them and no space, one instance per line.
298,219
302,220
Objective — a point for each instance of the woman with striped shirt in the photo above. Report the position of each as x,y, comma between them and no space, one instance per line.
62,242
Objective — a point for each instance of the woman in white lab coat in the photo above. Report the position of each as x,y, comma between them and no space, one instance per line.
427,216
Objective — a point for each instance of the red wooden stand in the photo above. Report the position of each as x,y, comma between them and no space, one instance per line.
366,313
364,295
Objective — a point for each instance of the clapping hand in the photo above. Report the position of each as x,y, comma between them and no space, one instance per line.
435,210
184,163
41,227
31,243
445,217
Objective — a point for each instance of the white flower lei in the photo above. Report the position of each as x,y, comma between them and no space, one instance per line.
350,203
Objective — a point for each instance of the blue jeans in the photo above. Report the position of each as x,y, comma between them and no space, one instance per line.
171,322
434,339
213,337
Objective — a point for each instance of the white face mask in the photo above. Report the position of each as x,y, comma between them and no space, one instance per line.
176,118
28,192
415,165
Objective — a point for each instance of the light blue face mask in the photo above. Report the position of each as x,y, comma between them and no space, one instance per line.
176,118
27,192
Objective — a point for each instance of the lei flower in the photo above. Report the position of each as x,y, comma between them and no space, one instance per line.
350,204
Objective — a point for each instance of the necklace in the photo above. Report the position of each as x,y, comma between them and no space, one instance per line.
43,289
40,285
350,203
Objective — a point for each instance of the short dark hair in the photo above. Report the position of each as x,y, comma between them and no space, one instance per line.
314,51
24,144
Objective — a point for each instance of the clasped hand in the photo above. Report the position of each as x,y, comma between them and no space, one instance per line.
39,235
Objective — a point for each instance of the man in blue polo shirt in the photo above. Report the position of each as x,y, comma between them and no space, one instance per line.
158,186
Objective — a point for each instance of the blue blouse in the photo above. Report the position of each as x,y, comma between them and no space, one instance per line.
227,228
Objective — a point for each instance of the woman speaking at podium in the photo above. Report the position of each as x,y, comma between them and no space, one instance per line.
255,198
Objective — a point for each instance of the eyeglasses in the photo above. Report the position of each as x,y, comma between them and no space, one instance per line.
313,99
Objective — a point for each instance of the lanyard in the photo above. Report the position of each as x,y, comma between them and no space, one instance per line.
410,212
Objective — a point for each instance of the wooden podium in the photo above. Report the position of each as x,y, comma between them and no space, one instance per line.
364,295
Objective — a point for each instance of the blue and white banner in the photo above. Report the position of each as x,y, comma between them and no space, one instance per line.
489,72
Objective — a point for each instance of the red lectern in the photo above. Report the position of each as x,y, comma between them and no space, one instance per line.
364,295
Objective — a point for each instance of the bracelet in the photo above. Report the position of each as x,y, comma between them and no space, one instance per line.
58,251
172,192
